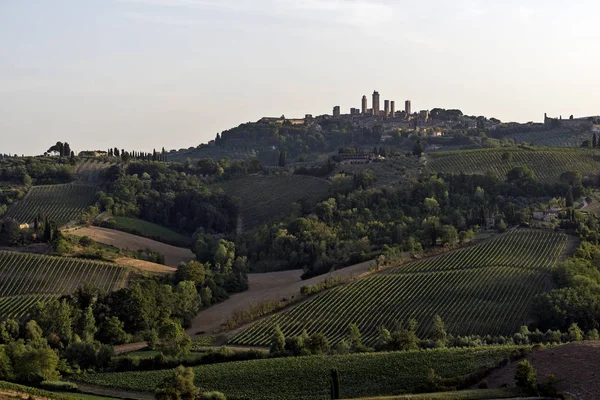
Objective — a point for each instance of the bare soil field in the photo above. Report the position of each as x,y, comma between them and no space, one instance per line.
173,255
270,286
145,266
576,364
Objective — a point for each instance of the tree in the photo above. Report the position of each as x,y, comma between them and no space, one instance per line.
87,325
192,271
525,377
112,331
439,331
178,386
353,337
278,341
594,141
33,363
569,200
318,344
418,148
575,333
172,339
335,384
282,159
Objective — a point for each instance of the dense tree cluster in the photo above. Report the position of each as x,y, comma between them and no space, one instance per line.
158,193
441,210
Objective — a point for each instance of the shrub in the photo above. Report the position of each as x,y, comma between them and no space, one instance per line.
525,377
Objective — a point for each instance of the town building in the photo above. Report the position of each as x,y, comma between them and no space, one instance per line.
393,109
386,108
376,103
407,107
364,105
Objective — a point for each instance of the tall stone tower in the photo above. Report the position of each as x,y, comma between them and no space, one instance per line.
392,108
386,108
376,103
407,108
336,111
364,105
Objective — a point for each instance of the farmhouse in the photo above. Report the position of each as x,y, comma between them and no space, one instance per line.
358,158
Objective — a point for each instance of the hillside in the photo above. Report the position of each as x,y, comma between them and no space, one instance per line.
484,289
264,198
547,163
60,203
575,364
28,278
307,378
173,255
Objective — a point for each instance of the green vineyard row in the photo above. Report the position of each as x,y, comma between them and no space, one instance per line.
292,378
61,203
28,278
547,163
484,289
265,197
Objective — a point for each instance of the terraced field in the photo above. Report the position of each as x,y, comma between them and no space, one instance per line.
28,278
266,197
547,163
61,203
484,289
557,138
91,169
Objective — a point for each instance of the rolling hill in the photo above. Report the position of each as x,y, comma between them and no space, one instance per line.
483,289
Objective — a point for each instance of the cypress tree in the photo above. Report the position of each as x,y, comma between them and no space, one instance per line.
335,384
594,141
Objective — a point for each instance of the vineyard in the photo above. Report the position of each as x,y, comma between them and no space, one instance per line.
553,138
484,289
266,197
547,163
28,278
371,374
61,203
91,169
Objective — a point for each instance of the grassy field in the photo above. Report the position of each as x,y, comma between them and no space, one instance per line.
149,230
28,278
483,289
547,163
266,197
61,203
370,374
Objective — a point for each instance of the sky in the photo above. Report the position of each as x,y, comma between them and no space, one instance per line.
143,74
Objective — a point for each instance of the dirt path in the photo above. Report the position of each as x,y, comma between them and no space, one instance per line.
264,287
173,255
575,363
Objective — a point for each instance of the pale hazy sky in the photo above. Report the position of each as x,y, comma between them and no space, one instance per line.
152,73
